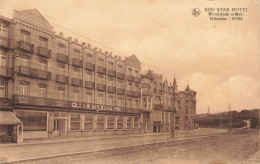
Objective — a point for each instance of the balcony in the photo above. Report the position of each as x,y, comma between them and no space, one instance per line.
101,87
136,94
25,46
157,106
77,62
4,42
76,82
111,73
120,91
62,58
129,93
6,72
44,52
90,66
111,89
5,102
130,78
62,79
33,72
89,85
101,70
138,80
39,101
120,75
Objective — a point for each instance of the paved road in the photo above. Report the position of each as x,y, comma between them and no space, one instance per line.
43,148
239,147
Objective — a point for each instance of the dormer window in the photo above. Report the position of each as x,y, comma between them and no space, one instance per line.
3,29
62,48
43,42
76,51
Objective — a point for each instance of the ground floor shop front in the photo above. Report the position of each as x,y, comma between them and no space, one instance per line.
49,124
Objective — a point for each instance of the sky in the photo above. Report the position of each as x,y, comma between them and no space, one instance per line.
220,60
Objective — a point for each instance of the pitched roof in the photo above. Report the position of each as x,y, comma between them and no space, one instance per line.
8,118
134,59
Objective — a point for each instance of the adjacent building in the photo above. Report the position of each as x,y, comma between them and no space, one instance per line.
53,86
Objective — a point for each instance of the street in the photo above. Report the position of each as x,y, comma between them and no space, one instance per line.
238,147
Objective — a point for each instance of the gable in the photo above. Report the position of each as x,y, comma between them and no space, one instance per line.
133,58
34,18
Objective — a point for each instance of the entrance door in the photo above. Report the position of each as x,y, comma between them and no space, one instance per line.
154,129
60,128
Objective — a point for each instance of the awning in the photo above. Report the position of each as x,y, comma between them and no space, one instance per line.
8,118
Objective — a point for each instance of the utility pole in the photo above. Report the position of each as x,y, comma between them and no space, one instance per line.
174,108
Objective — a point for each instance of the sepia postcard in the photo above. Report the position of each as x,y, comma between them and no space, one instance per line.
130,81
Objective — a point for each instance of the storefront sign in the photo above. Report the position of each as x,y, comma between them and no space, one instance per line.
95,107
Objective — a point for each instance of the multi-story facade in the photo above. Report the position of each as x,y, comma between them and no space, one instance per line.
64,88
54,86
187,108
163,105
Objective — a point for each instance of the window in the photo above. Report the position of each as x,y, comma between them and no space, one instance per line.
75,121
100,121
89,122
120,84
33,121
100,99
129,71
42,91
129,122
61,93
120,68
136,122
136,104
76,73
2,88
129,103
62,48
3,29
43,42
61,69
137,73
24,60
119,102
100,79
111,100
2,57
187,111
89,76
111,65
24,88
100,62
177,120
25,36
110,82
43,64
89,97
120,122
110,122
76,95
89,58
75,51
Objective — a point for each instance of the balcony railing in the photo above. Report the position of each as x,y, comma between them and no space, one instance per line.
120,91
33,72
25,46
101,70
77,62
62,58
5,102
101,87
76,82
111,73
4,42
111,89
89,85
30,100
130,78
136,94
157,106
120,75
6,72
138,80
90,66
44,52
62,79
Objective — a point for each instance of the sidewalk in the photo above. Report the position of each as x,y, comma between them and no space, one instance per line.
59,146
